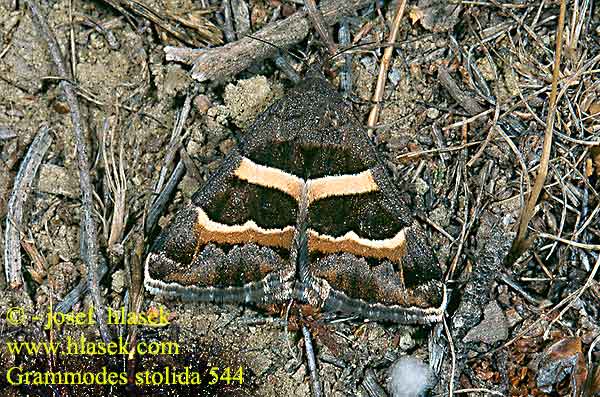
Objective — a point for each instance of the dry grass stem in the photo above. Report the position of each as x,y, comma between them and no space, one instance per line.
520,243
116,180
479,390
467,121
384,67
452,358
592,247
312,363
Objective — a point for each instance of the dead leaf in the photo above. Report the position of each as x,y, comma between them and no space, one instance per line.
589,168
593,387
436,15
562,359
594,108
415,14
595,155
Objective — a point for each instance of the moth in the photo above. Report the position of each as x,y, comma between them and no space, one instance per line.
302,209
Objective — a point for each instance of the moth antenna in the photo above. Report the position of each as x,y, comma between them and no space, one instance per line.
346,49
280,49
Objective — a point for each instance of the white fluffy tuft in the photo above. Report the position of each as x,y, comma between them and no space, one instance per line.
410,377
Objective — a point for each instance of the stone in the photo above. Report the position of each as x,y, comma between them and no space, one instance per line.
493,328
118,281
57,180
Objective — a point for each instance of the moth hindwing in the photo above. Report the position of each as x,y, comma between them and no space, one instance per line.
302,209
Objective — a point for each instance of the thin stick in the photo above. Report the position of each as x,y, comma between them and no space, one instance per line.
228,25
453,359
469,120
89,225
319,25
312,363
18,196
479,390
371,385
160,202
384,67
591,247
520,244
410,155
487,138
76,293
518,155
297,357
591,350
177,137
72,42
517,287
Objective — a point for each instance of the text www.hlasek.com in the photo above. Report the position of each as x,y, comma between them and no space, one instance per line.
78,346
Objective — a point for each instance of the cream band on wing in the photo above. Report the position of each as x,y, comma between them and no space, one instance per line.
214,232
336,185
271,177
392,248
341,185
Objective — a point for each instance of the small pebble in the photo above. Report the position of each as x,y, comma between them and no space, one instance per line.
433,113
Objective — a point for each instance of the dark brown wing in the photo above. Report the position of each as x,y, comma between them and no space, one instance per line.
232,244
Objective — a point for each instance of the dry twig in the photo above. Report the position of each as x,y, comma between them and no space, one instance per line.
158,203
384,67
319,25
479,390
222,62
228,31
89,225
467,102
371,385
241,16
18,196
75,295
452,357
591,247
190,28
